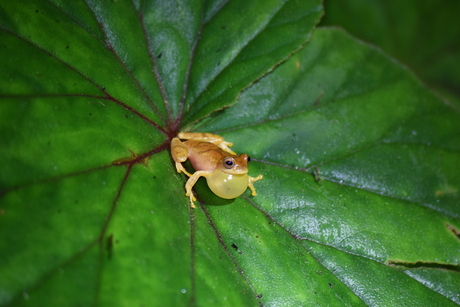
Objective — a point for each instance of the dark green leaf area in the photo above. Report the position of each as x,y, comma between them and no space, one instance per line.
56,136
52,33
43,74
80,275
383,149
375,283
211,7
324,78
172,43
437,128
146,253
423,35
217,278
353,219
77,11
323,103
126,38
47,227
423,175
233,52
260,247
446,281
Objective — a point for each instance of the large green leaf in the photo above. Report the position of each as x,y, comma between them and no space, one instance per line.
358,206
422,34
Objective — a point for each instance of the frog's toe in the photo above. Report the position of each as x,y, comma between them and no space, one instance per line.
192,199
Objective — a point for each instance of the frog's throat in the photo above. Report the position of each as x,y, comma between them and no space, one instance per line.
227,185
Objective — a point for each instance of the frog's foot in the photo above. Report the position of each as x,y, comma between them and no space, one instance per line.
224,145
251,185
192,199
181,168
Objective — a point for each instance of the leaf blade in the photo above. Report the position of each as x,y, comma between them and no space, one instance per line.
216,81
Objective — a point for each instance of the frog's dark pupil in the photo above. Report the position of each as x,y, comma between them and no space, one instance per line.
249,159
229,162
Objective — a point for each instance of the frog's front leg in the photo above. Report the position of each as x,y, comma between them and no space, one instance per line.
191,182
179,153
209,138
250,183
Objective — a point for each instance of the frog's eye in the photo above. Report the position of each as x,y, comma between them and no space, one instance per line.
228,163
249,159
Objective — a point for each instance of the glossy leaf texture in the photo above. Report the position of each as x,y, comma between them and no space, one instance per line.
361,166
359,201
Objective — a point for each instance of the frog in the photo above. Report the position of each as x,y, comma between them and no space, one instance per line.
226,172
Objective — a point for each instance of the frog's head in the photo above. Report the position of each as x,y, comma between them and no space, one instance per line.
235,164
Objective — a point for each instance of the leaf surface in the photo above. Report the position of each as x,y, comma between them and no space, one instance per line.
422,35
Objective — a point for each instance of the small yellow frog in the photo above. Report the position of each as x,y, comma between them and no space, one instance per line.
225,172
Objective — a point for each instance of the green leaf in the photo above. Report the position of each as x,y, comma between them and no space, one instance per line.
234,52
387,153
422,34
359,203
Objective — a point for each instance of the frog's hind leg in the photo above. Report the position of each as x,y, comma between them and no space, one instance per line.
209,138
191,182
251,185
179,153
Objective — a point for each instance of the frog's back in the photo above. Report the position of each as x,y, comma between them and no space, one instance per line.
204,155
